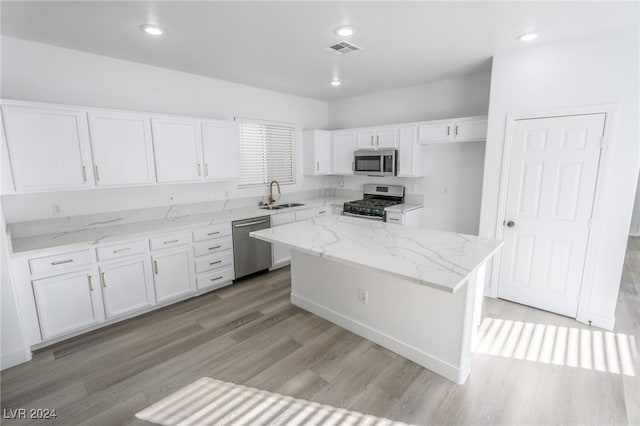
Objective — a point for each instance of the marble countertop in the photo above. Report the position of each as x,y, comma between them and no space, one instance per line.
442,260
143,229
403,208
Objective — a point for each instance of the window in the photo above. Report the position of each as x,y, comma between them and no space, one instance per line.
266,153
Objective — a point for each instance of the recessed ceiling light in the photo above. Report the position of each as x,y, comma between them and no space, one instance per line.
345,31
154,30
335,82
527,36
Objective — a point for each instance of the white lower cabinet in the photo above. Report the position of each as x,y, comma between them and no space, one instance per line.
213,253
172,274
67,303
281,254
125,287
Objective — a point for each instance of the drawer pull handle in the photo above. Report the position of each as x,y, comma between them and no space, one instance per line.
213,233
322,212
90,278
394,219
170,242
217,278
216,262
213,248
60,262
121,250
104,280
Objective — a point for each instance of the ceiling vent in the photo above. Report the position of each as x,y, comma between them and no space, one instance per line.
342,48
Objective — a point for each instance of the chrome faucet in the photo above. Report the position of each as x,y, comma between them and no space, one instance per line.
271,199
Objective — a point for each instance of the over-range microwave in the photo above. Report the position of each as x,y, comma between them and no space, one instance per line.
375,162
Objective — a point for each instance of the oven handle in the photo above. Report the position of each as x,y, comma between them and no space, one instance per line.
362,216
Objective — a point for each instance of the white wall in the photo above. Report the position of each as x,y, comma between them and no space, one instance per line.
597,70
44,73
453,173
635,220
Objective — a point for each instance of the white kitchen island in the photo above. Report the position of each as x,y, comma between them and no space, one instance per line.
415,291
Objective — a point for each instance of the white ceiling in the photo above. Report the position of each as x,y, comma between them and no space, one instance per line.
280,45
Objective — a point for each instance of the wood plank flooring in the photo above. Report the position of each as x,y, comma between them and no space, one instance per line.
249,333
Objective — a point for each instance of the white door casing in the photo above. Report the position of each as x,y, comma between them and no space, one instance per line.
551,187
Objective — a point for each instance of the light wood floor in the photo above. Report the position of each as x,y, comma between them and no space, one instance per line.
250,334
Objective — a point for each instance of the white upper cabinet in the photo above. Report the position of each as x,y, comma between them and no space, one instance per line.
48,147
220,145
366,138
344,144
377,137
409,152
317,152
121,148
177,145
457,130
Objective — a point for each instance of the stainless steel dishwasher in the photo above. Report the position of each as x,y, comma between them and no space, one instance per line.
249,254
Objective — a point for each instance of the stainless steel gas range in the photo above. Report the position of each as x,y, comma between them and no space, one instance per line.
376,199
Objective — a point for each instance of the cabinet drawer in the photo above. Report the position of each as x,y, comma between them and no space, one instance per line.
214,262
121,250
215,279
168,241
60,262
397,218
212,247
211,232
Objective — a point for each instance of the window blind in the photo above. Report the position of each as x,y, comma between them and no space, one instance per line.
266,153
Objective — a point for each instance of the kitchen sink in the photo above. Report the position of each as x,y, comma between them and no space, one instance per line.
290,205
281,206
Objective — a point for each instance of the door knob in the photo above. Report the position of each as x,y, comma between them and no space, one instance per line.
511,224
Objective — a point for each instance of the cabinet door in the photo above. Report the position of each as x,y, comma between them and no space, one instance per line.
366,138
437,131
281,254
177,145
121,149
46,147
124,287
344,143
305,214
386,137
171,275
323,152
67,303
220,150
471,130
409,154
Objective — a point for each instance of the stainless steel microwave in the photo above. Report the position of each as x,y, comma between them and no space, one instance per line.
375,163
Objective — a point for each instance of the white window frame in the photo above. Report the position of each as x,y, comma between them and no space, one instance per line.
294,157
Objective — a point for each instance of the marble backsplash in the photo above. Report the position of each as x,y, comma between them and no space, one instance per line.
89,221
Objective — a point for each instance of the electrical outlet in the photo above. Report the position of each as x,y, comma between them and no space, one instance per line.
57,209
172,199
363,296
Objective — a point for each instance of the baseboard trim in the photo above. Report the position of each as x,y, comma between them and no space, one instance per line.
10,359
458,375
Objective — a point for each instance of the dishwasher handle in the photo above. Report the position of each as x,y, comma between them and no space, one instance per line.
242,225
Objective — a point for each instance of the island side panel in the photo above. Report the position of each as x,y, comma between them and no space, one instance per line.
431,327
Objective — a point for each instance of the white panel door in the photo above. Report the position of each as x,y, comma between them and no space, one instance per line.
220,146
344,144
124,287
366,138
47,147
552,179
171,275
121,148
386,137
177,145
67,303
281,254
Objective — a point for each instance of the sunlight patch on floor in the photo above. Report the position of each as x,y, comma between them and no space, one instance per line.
597,350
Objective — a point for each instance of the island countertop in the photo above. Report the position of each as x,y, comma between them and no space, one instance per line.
442,260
